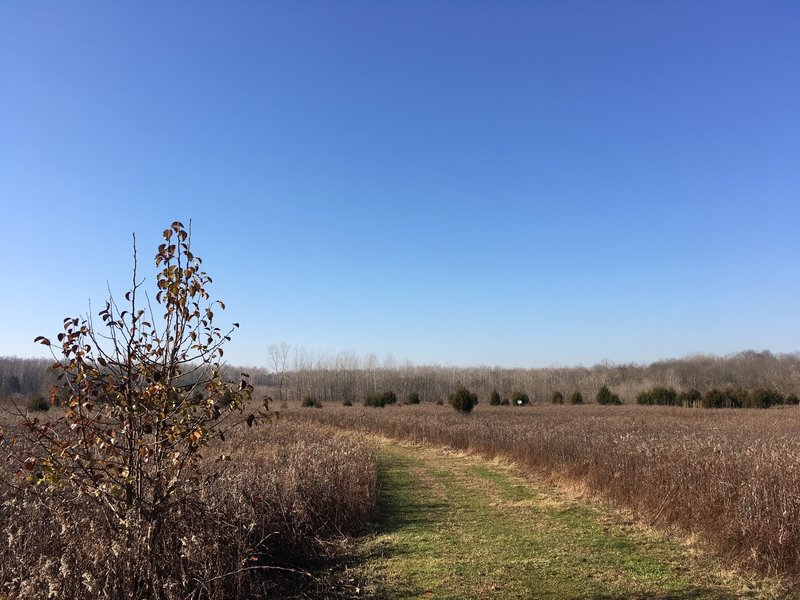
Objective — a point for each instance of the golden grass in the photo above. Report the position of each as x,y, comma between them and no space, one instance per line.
729,478
265,511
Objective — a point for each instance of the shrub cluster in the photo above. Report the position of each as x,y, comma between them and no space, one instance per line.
576,398
413,398
494,398
380,400
463,400
310,402
520,399
606,396
37,403
557,398
667,396
731,397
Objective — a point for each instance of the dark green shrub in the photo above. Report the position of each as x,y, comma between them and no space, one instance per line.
347,403
690,399
494,398
714,399
381,400
463,400
413,398
311,402
659,395
576,398
737,397
558,398
792,400
664,396
37,403
763,398
520,399
374,401
505,402
605,396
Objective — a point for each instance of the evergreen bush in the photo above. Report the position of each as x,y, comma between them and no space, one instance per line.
38,403
606,396
311,402
576,398
463,400
520,399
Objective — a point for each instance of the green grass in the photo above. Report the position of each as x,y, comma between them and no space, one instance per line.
456,527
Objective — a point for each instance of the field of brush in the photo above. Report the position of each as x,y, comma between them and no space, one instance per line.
280,495
728,479
275,500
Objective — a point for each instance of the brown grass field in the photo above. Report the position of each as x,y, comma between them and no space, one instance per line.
273,509
729,479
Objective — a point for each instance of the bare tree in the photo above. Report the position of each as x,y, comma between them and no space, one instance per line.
278,357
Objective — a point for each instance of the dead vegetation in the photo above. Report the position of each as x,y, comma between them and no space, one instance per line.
729,478
146,479
266,512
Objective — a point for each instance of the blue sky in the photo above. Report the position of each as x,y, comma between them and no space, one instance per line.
502,183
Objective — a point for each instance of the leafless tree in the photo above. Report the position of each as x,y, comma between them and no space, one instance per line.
278,355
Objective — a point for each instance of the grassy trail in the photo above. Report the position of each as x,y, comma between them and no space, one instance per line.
456,527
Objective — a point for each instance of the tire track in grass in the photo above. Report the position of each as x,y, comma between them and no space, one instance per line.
455,527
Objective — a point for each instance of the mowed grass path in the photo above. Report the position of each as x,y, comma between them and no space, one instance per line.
459,527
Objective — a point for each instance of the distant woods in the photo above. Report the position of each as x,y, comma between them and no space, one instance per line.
25,376
348,378
296,374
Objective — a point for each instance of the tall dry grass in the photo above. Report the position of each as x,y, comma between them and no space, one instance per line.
729,478
268,508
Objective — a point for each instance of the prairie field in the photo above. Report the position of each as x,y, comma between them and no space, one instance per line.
274,502
727,480
343,501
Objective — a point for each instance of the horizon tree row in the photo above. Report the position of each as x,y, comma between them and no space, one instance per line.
295,373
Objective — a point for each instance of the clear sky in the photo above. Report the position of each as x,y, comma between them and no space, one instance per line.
454,182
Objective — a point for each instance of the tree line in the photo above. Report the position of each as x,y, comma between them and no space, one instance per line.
347,377
294,373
